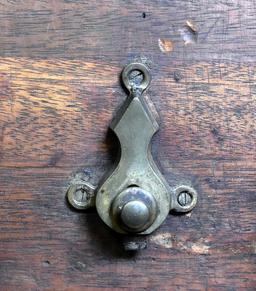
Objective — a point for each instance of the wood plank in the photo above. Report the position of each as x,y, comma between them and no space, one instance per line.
114,31
46,245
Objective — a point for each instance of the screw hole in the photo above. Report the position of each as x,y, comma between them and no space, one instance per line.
144,15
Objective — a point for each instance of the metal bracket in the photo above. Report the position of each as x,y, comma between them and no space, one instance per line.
135,197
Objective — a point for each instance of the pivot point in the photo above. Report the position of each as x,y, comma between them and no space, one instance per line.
135,215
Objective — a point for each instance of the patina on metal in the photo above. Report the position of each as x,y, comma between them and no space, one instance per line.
81,195
135,197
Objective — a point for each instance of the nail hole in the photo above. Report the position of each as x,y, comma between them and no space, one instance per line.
144,15
46,263
177,76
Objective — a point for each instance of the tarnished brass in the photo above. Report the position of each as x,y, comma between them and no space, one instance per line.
135,197
134,126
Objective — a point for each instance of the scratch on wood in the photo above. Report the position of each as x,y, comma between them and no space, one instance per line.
168,241
165,45
200,248
163,239
189,33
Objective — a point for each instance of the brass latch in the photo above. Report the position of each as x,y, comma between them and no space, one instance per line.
135,197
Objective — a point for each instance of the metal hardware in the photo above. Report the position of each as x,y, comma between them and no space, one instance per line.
135,197
186,197
81,196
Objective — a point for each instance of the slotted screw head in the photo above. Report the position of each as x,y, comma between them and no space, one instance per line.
184,198
81,196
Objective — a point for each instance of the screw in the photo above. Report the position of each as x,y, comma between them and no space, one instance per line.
184,198
136,77
81,196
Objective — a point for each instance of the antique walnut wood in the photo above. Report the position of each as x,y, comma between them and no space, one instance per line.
59,89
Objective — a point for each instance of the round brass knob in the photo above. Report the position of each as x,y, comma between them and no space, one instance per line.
134,209
135,214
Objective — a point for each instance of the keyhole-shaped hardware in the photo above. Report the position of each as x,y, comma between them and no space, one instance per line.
135,197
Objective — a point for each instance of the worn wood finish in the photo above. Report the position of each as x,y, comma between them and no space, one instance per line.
59,88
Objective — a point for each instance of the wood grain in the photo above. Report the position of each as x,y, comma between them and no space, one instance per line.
59,88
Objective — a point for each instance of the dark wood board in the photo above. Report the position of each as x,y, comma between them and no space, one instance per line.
59,88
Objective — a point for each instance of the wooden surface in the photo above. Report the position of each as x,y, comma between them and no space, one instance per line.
59,88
